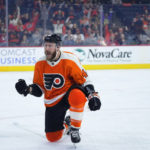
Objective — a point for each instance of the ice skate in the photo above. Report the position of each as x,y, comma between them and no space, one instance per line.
75,136
72,131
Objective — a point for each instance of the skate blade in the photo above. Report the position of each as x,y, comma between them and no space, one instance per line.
75,146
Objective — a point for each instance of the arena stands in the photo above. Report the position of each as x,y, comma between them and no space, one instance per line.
79,22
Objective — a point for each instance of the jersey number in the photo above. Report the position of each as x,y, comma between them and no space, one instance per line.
53,80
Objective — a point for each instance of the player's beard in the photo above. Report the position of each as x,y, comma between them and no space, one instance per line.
50,56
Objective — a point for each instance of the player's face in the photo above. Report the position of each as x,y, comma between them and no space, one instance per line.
50,50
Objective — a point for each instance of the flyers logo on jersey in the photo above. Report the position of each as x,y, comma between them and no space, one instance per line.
53,80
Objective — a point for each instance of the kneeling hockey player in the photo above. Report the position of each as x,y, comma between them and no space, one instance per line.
65,84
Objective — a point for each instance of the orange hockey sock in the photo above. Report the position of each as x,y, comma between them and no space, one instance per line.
77,101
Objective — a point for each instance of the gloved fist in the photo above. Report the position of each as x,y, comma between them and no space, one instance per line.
94,102
22,87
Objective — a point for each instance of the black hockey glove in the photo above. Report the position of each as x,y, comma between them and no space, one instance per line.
22,87
94,102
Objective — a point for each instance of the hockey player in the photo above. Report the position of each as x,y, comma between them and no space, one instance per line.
65,84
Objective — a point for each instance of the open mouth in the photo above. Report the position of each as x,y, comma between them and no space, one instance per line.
48,53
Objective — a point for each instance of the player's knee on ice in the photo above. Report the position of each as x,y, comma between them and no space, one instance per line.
54,136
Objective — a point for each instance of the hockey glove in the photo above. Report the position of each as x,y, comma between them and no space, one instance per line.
94,102
22,87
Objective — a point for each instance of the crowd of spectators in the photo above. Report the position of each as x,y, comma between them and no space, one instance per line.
78,22
131,25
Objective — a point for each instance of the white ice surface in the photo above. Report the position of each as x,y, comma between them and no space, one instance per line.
123,123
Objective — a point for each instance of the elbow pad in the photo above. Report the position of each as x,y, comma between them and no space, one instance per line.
36,90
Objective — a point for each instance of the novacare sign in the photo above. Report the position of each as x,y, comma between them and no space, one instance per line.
112,55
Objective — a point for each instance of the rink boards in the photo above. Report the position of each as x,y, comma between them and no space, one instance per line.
91,57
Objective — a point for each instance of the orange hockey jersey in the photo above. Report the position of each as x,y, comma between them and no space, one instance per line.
55,78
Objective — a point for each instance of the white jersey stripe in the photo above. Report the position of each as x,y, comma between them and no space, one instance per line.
50,101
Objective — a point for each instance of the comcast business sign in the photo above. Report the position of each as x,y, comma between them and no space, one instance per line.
103,55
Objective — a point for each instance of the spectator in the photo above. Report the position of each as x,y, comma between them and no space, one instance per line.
79,38
71,13
25,41
74,28
2,27
68,39
87,32
13,38
112,40
58,27
44,11
3,39
91,40
69,24
101,41
25,18
15,18
84,21
36,38
78,34
58,15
